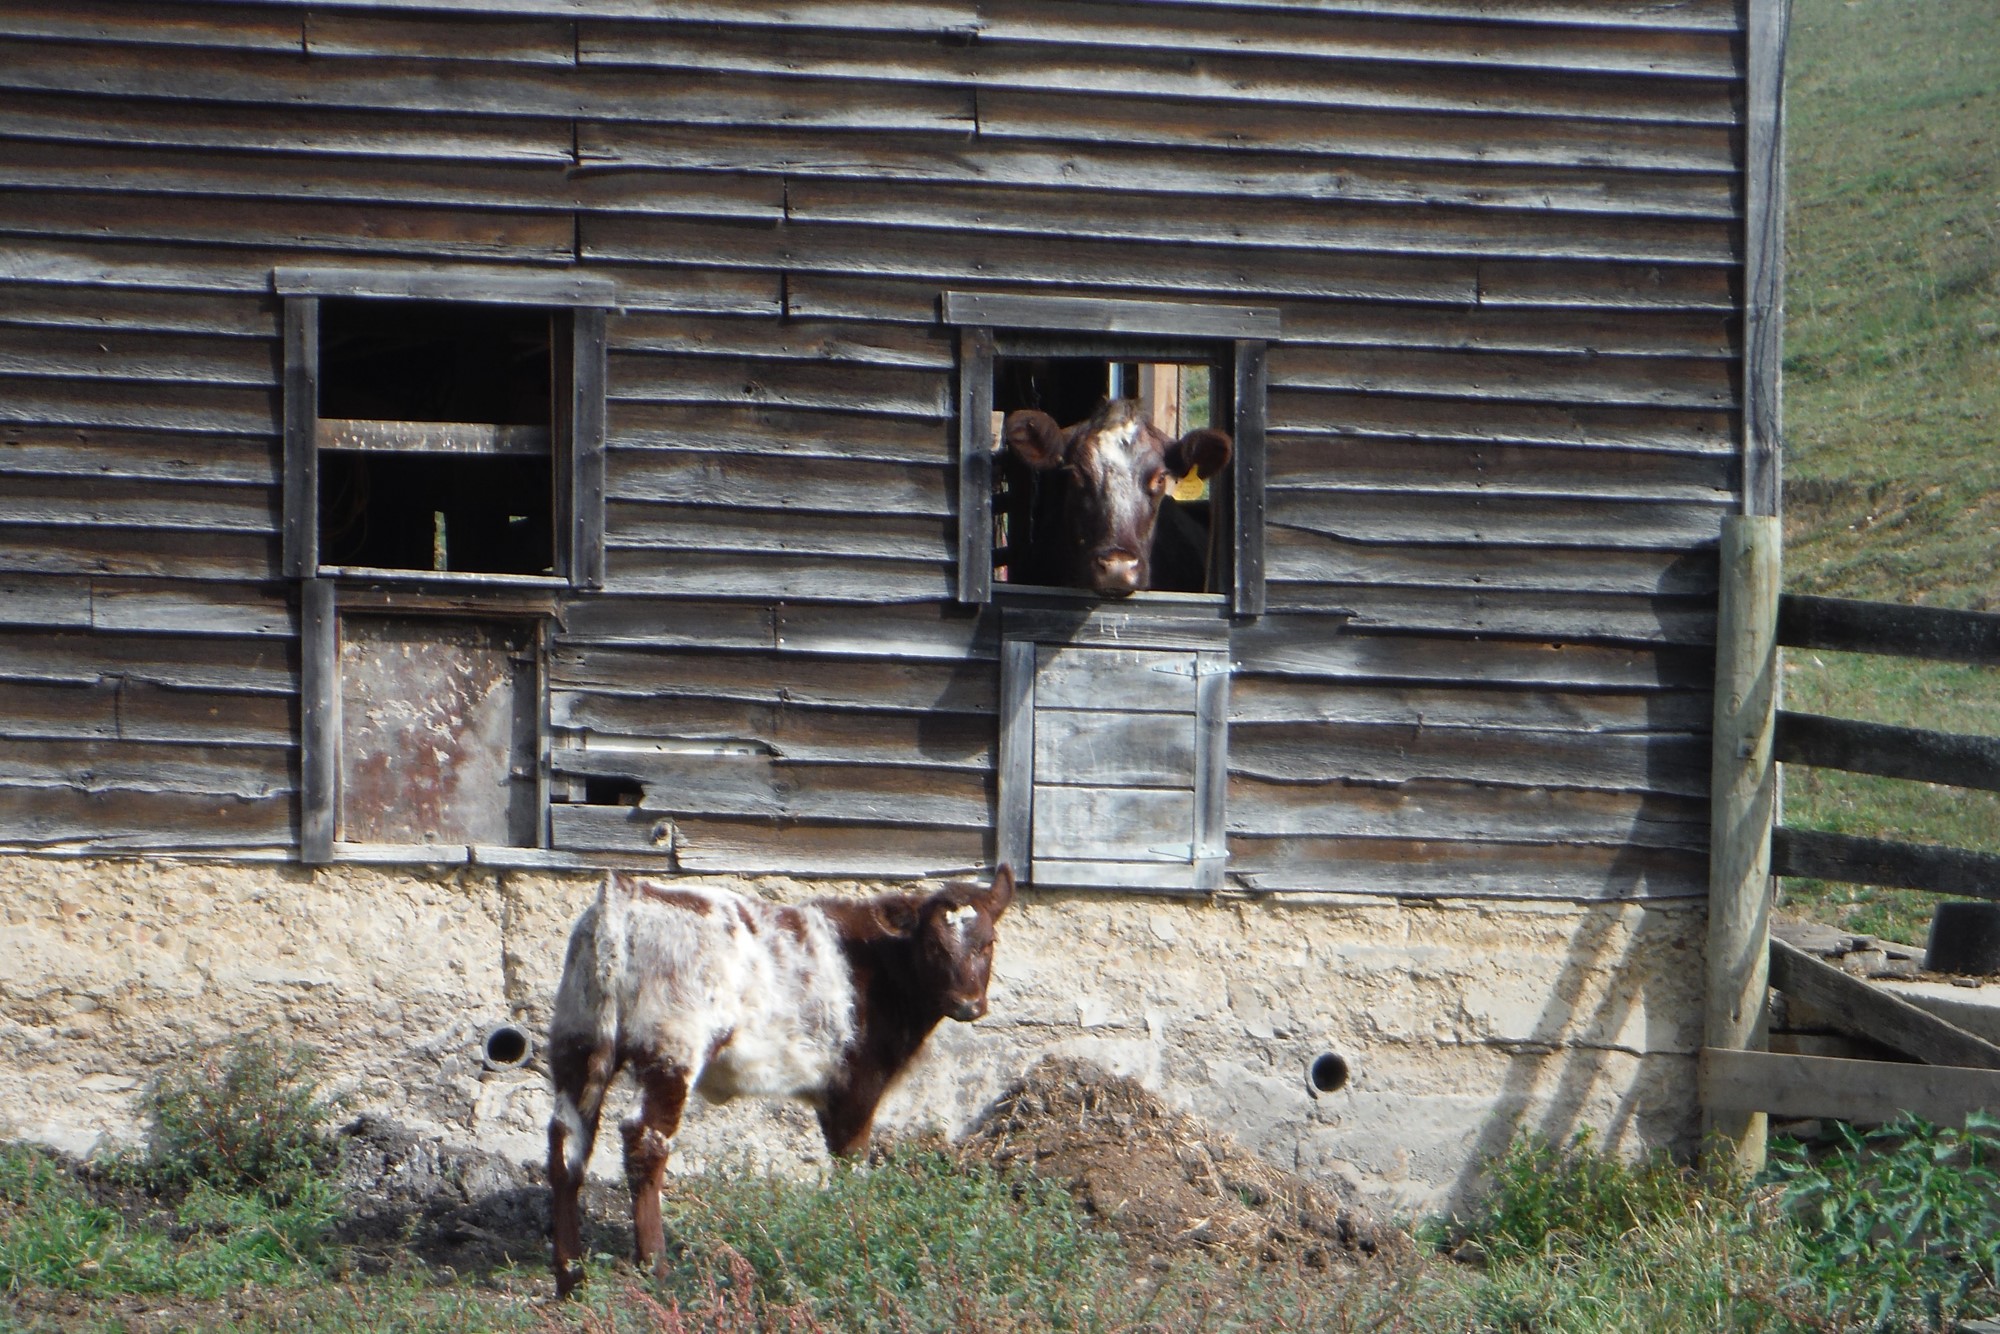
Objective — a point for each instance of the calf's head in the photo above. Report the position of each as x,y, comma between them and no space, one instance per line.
952,932
1118,468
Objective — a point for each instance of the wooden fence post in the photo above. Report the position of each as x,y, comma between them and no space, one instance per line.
1743,788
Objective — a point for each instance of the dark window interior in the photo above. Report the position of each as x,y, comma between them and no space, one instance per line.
430,361
1070,389
485,514
414,361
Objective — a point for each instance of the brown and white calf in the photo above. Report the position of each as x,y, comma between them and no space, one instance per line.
730,996
1103,485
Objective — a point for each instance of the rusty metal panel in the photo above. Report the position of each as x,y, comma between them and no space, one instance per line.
438,733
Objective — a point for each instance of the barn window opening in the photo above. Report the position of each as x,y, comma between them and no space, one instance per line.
1174,397
1111,449
435,437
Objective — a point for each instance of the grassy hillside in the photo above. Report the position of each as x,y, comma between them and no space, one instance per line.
1892,410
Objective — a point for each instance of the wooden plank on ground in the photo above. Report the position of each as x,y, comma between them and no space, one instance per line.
1864,1091
1870,1012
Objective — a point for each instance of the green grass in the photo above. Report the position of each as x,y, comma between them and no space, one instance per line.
1892,395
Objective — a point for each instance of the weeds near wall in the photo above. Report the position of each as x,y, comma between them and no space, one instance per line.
246,1117
1901,1225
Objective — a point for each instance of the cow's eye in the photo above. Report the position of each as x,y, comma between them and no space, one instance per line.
1157,483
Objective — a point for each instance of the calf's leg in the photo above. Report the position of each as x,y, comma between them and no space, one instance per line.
580,1073
649,1134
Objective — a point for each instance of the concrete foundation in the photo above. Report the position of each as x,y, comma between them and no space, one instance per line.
1461,1021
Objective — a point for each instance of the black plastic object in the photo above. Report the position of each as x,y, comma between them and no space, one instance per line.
1965,938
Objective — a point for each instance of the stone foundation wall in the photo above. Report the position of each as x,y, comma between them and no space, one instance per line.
1461,1021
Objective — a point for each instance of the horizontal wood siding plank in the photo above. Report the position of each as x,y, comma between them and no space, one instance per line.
761,786
956,259
195,176
876,344
1317,752
1262,699
126,404
1554,472
802,678
325,132
1440,809
776,429
605,726
1293,557
833,535
1385,115
59,501
1333,226
1303,646
1344,76
1180,170
1443,420
1669,382
409,231
769,847
747,575
407,86
637,377
1437,868
1495,520
1564,616
25,305
253,666
774,482
66,820
101,767
141,552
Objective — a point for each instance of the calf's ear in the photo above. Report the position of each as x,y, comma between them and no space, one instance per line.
897,917
1204,453
1035,439
1000,893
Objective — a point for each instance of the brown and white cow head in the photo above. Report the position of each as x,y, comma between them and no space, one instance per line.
952,932
1118,468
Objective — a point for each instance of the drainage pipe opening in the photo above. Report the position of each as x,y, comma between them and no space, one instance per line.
1327,1073
506,1048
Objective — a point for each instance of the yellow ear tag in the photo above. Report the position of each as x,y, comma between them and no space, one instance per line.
1191,487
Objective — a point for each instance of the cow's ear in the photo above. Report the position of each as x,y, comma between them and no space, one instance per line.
1035,439
1000,893
1203,453
898,916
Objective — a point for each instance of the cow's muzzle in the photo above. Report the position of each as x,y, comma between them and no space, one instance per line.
965,1011
1117,574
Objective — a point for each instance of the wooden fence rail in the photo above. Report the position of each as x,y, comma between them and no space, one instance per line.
1739,1087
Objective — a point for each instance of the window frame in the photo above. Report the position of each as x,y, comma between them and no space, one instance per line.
577,407
995,325
581,305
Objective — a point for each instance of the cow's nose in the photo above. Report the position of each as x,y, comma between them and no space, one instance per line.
968,1010
1117,574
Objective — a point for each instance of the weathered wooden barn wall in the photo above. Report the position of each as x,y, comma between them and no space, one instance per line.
1504,238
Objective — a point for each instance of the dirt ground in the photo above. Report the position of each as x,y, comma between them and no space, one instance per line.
1166,1184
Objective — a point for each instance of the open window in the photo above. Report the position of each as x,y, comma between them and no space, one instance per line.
1042,376
443,485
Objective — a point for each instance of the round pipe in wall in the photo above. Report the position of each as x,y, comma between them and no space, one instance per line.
1327,1073
506,1047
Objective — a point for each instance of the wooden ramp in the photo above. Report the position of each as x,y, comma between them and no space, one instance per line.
1948,1072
